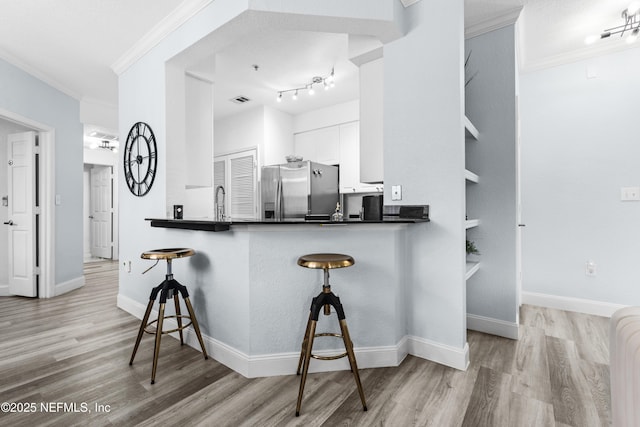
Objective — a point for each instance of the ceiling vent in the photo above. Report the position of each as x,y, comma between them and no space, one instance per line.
103,136
240,100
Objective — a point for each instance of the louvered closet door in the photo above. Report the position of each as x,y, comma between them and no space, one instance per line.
242,175
237,174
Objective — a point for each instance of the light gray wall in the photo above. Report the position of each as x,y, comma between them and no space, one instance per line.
26,96
579,146
491,107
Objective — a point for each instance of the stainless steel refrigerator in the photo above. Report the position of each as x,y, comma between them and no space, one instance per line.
293,190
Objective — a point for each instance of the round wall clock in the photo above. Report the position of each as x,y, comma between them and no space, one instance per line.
140,159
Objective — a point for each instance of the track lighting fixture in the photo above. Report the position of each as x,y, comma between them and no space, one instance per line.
327,82
631,25
107,146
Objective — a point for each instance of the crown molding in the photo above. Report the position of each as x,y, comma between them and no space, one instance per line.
574,56
36,73
181,14
495,23
407,3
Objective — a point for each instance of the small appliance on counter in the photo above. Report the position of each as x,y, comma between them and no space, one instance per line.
298,190
177,211
372,207
419,212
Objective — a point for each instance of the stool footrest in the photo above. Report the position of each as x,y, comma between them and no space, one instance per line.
332,357
170,331
337,356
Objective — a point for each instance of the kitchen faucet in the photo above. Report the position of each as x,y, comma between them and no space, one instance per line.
219,206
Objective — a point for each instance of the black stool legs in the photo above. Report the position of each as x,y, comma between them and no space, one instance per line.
167,289
326,299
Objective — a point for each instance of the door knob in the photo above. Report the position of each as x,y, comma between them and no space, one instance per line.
90,216
10,222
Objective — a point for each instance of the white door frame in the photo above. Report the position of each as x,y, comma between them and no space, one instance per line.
46,286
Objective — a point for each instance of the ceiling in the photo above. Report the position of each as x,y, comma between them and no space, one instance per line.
73,47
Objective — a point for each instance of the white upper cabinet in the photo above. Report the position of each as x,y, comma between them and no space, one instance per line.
319,145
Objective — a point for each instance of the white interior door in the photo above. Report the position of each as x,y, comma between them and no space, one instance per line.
21,148
101,212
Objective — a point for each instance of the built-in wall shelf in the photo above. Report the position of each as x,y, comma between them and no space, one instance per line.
471,134
472,268
470,223
470,176
470,130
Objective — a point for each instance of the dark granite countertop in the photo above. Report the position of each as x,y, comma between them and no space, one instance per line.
208,225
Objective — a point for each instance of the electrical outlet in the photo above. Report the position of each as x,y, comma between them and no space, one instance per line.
396,192
590,268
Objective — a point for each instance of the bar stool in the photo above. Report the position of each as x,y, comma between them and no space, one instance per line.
326,299
169,288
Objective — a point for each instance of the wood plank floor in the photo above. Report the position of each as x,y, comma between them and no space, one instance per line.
74,349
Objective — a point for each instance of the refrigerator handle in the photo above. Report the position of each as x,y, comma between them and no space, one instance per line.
278,207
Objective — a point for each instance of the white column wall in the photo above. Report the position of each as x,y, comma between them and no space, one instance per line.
424,152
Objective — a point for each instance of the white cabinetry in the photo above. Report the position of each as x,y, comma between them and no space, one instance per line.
319,145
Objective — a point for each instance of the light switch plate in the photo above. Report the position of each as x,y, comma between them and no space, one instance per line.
630,194
396,192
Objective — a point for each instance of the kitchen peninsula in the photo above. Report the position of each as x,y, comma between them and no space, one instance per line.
252,299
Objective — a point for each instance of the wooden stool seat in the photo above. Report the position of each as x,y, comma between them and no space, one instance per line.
168,289
326,299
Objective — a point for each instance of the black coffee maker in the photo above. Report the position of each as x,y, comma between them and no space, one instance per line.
372,207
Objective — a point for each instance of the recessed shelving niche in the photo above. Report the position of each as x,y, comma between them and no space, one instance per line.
471,136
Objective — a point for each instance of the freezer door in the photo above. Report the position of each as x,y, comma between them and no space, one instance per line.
324,189
294,179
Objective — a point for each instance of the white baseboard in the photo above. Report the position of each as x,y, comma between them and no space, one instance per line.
69,285
286,363
4,290
597,308
491,326
439,353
